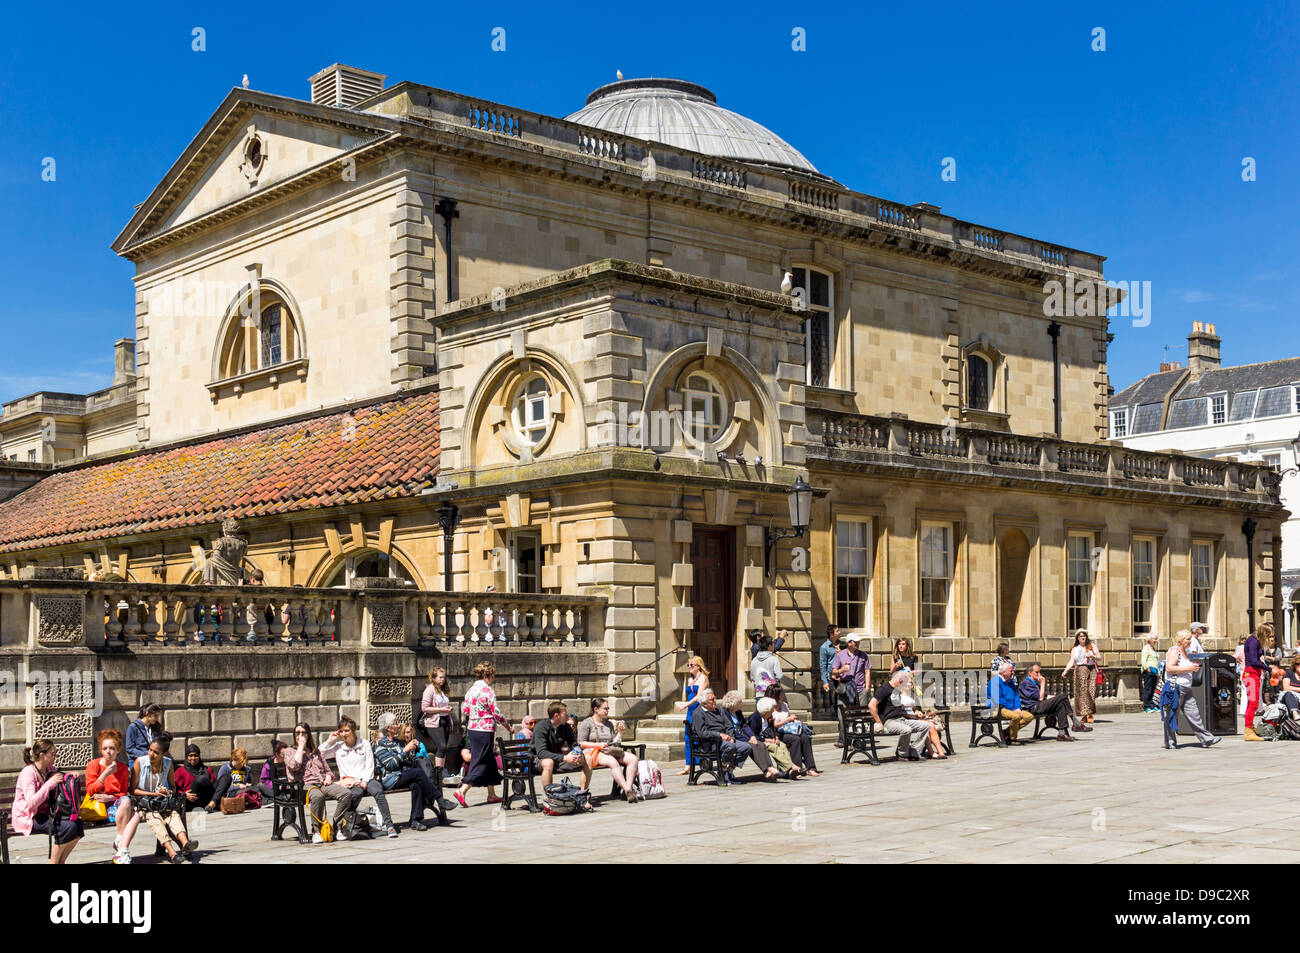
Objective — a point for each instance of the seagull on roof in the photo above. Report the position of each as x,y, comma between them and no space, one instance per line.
245,81
618,73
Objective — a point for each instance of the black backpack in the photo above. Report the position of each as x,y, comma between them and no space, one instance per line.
65,799
565,797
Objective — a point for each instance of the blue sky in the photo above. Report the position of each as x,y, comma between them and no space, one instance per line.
1134,153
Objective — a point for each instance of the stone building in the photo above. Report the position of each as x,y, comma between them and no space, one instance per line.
405,334
1238,412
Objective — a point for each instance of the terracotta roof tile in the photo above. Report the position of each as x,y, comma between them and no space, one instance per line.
390,449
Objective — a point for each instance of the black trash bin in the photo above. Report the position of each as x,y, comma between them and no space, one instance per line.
1215,688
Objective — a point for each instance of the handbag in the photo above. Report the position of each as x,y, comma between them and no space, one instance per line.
325,827
92,810
1101,676
232,805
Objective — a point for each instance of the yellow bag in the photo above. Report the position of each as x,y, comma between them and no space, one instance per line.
326,828
92,810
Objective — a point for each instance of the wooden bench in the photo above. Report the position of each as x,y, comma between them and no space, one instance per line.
706,758
858,728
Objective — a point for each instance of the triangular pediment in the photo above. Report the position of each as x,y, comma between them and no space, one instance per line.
253,143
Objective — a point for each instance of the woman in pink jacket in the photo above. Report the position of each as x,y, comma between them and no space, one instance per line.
31,812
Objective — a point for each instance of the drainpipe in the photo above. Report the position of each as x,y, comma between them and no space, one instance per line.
1054,332
447,209
1248,528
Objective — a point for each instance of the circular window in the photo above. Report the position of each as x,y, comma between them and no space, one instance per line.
532,410
704,410
253,152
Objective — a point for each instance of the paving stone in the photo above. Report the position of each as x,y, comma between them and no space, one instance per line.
1101,802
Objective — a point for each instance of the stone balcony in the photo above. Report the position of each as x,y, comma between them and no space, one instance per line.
895,444
45,611
918,228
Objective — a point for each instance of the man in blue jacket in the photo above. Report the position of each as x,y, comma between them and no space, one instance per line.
1055,708
1004,697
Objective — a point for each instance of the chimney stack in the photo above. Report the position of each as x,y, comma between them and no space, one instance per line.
1202,349
340,85
123,360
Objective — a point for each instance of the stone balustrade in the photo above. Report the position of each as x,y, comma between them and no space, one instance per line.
46,611
896,441
810,193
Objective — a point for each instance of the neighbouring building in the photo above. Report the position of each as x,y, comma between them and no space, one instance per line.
408,337
1248,412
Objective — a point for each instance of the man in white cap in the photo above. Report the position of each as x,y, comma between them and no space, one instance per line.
1198,629
851,672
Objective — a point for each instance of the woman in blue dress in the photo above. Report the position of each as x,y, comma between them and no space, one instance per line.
696,683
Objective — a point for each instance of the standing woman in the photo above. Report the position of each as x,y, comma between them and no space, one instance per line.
32,793
1150,672
904,657
481,717
142,731
1084,659
1259,656
696,681
435,704
1179,670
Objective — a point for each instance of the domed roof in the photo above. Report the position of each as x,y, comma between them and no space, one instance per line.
685,115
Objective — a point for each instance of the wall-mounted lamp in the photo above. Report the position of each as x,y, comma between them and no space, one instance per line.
448,519
800,498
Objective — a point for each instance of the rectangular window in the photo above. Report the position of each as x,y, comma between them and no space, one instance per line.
1144,584
1218,408
1296,391
1202,580
852,574
526,562
819,328
1080,572
1274,461
31,456
1119,423
271,336
936,576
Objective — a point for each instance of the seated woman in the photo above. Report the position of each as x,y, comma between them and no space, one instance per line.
195,780
761,725
793,733
904,697
153,785
421,753
1289,690
33,794
235,779
108,782
602,743
774,759
263,786
304,763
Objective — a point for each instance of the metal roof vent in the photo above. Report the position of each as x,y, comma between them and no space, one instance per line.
340,85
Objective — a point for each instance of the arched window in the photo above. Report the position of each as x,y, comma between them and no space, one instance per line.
977,382
704,410
258,343
368,564
532,409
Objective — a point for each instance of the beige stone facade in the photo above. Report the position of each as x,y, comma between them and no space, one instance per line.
627,392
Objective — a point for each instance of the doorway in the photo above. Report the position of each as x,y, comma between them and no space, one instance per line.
714,636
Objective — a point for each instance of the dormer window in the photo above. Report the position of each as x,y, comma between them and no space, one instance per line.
1119,423
1218,408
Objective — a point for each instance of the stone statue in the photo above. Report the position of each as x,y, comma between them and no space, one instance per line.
224,565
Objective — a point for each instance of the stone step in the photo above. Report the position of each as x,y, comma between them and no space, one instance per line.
659,735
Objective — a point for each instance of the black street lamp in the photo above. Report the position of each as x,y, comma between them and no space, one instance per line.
800,498
1248,528
448,519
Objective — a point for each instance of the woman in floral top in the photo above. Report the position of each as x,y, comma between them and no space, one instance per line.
480,715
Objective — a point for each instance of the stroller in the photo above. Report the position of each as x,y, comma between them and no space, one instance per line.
1277,724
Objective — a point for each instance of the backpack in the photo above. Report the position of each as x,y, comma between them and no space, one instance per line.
564,797
650,780
65,799
1289,730
1275,714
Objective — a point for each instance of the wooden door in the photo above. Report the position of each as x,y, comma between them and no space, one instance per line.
713,638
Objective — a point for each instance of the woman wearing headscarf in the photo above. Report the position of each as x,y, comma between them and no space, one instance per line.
194,779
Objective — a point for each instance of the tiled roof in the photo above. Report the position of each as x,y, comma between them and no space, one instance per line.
380,451
1273,379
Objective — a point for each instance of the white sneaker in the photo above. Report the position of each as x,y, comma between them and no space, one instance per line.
123,857
317,839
